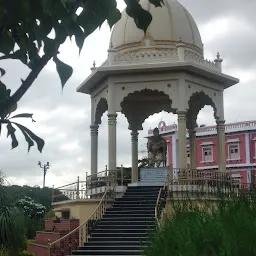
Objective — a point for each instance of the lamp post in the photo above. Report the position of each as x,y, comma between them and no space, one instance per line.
45,167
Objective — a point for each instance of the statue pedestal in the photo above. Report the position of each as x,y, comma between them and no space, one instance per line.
154,176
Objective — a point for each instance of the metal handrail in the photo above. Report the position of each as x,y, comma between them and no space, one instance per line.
157,204
100,207
83,189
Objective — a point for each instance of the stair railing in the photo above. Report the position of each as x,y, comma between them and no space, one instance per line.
158,206
80,235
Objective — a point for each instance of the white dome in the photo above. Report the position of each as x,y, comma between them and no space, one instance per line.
170,23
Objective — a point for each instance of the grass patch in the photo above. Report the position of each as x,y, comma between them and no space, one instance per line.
226,229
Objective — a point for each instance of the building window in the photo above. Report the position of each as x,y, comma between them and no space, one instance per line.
255,150
188,156
207,154
233,151
65,215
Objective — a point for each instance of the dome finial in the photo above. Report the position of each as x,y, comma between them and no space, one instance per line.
218,58
93,66
218,61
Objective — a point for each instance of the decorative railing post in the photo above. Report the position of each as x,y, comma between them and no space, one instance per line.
122,175
181,50
77,189
218,62
52,193
106,178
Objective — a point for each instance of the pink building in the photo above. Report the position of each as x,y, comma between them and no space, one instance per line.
240,148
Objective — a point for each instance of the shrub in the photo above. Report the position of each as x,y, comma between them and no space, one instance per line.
26,253
228,229
12,230
30,208
50,214
3,252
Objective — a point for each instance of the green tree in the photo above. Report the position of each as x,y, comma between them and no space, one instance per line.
34,214
12,229
25,27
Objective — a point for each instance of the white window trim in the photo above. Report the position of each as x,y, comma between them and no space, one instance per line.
207,143
254,148
234,159
210,161
233,140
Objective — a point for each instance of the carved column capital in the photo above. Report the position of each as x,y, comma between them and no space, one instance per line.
112,119
182,150
134,135
182,116
220,125
94,129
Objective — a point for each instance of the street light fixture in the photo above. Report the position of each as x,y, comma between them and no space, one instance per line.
45,167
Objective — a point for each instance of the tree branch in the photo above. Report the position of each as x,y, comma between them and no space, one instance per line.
28,81
30,78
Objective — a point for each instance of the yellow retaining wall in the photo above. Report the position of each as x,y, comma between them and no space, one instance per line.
79,209
200,202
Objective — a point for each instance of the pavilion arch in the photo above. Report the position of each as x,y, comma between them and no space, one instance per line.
100,109
139,105
197,101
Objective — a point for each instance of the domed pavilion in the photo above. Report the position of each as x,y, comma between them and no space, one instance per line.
146,73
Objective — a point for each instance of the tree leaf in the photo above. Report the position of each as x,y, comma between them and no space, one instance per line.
2,72
11,132
157,3
64,71
25,115
27,138
79,37
21,55
40,142
113,14
6,42
141,17
61,34
48,45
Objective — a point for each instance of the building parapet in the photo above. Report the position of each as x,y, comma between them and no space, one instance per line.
207,130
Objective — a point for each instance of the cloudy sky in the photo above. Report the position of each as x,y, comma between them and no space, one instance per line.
63,118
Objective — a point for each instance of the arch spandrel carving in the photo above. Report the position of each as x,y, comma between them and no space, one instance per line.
167,87
192,89
197,101
100,109
139,105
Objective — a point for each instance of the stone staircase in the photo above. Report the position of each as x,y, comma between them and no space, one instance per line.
125,227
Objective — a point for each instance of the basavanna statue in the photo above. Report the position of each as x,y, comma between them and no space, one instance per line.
157,150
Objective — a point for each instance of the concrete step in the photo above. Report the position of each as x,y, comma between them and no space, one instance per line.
114,239
126,230
127,222
127,226
107,252
129,211
133,207
104,234
112,247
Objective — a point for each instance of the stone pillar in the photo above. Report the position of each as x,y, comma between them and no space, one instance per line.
192,142
134,138
112,141
94,149
182,150
221,145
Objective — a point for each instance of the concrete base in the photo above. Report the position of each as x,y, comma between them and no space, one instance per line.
153,176
146,184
